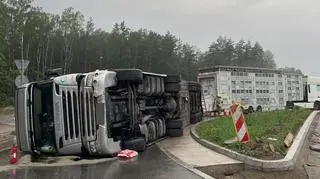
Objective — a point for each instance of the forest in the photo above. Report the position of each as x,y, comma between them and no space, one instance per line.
70,42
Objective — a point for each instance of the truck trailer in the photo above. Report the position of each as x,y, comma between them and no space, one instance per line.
256,89
102,112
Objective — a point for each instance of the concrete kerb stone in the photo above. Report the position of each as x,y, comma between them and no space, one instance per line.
61,164
183,164
287,163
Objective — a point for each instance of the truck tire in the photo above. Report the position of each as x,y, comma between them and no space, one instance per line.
175,132
172,79
138,144
242,109
175,124
132,75
250,109
161,126
195,118
259,109
316,105
172,87
198,117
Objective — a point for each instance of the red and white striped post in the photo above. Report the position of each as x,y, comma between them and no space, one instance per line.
239,123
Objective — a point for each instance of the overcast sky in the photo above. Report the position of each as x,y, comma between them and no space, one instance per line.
289,28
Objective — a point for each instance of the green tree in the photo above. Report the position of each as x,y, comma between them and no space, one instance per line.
71,24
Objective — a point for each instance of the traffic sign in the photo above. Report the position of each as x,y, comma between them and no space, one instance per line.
22,65
21,80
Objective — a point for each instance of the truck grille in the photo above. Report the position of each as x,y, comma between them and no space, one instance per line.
88,114
71,120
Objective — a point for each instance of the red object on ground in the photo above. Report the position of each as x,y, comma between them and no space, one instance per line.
127,154
13,155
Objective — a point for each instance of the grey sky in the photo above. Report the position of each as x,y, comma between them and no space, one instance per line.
289,28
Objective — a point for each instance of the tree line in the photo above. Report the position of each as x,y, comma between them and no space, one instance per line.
69,42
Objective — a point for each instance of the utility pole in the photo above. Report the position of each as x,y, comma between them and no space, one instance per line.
100,61
22,57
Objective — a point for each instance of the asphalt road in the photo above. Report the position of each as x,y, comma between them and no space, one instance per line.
152,164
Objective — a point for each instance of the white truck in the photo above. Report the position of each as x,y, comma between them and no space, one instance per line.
101,112
311,94
256,89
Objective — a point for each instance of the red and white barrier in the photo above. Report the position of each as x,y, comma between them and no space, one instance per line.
239,123
13,154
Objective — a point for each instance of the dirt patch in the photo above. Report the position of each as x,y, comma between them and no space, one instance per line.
262,148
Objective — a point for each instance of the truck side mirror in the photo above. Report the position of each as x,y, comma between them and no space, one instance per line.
309,88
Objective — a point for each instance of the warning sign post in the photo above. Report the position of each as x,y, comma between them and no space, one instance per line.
239,123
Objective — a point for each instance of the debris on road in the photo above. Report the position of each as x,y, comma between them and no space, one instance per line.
127,155
231,141
288,140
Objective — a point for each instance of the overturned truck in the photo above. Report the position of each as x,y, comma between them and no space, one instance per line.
102,112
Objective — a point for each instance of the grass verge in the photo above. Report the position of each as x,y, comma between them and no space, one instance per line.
261,126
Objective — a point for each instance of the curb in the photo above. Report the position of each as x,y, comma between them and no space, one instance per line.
287,163
183,164
40,165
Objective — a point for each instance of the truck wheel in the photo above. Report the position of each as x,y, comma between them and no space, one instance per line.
259,108
198,117
250,109
172,79
316,105
138,144
161,126
289,105
132,75
175,132
242,109
172,87
175,124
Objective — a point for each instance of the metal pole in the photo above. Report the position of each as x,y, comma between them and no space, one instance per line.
22,60
100,66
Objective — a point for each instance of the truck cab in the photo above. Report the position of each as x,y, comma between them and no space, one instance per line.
98,113
311,94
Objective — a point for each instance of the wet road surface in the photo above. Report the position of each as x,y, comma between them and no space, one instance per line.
4,157
152,164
